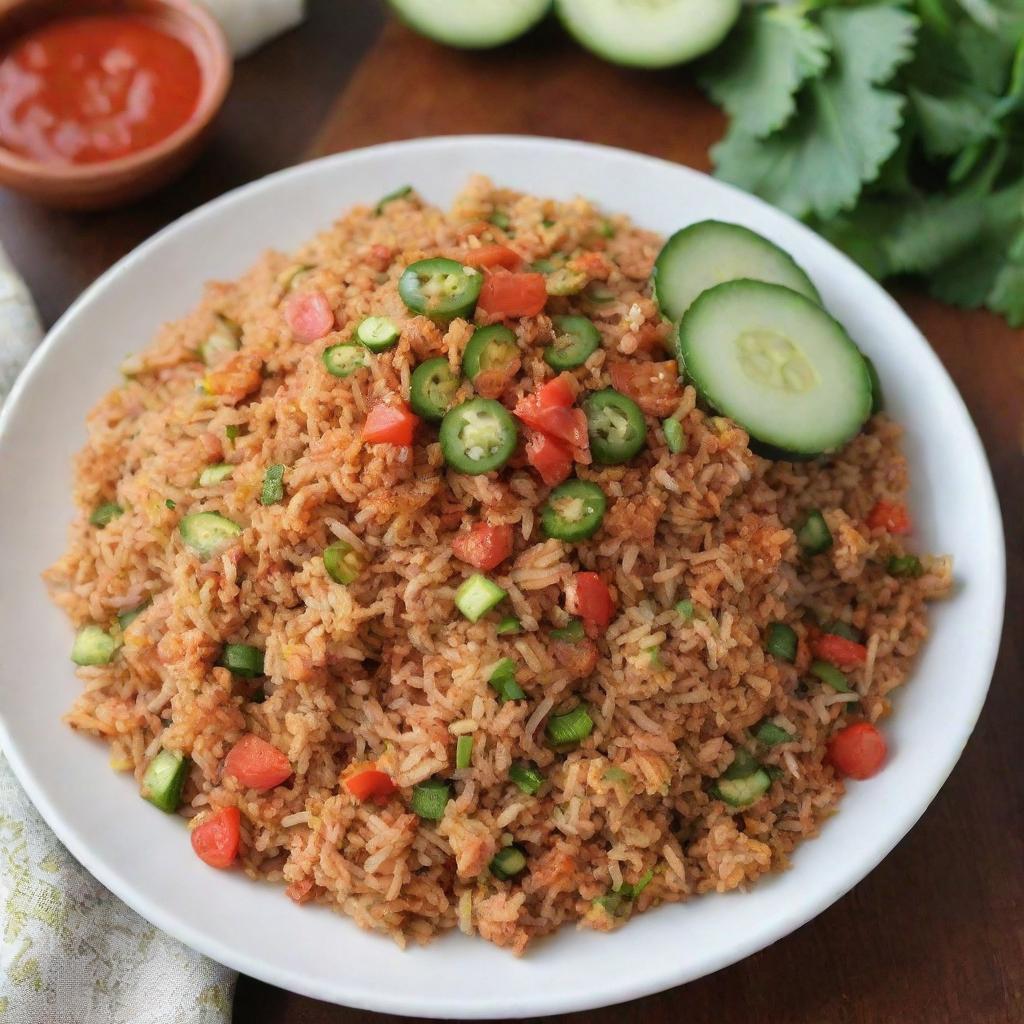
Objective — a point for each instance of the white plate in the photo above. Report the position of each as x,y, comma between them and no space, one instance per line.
144,856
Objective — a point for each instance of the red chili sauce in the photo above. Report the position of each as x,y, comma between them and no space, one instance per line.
96,87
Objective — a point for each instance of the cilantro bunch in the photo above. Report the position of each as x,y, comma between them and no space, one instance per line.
896,129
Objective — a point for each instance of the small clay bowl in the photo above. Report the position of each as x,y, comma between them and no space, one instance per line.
112,182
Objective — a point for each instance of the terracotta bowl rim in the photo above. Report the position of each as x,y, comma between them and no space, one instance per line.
215,79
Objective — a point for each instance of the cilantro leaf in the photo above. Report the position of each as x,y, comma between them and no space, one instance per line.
757,73
845,126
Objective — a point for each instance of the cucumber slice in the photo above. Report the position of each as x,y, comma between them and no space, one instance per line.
777,364
471,24
745,791
702,255
648,33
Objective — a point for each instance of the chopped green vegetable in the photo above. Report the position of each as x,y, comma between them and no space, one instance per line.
215,474
675,436
616,427
574,511
125,619
814,535
830,675
685,609
780,641
344,360
576,340
565,281
770,734
503,679
399,193
377,333
208,534
273,485
432,389
342,562
843,629
93,646
291,277
171,504
571,633
607,229
463,751
242,660
571,727
905,566
440,288
508,862
743,782
477,596
527,776
225,338
105,514
509,626
164,780
478,436
490,348
500,220
615,774
430,798
233,431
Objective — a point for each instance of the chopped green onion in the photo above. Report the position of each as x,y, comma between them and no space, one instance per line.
503,679
685,609
654,655
571,727
527,776
830,675
242,660
814,535
617,774
273,485
743,764
508,862
233,431
430,798
105,514
342,562
477,596
215,474
500,220
377,333
571,633
164,779
607,229
509,626
171,504
770,734
125,619
463,751
843,629
781,641
675,436
93,646
399,193
905,566
548,222
618,901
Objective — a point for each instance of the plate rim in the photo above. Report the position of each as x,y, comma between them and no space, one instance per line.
399,1002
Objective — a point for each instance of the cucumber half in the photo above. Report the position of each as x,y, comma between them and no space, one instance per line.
702,255
648,33
471,24
778,364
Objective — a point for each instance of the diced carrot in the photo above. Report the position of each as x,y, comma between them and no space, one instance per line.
840,651
370,784
891,516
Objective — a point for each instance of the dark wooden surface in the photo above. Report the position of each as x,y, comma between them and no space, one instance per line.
936,933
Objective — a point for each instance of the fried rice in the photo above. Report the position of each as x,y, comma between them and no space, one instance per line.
385,671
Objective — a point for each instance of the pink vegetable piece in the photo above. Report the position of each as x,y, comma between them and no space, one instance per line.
310,316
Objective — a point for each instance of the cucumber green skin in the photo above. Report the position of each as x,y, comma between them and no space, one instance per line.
447,31
692,235
743,792
766,449
580,29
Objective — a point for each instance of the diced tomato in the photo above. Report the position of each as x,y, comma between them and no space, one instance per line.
592,601
840,651
557,392
858,750
309,315
216,839
257,764
513,294
484,546
579,657
654,387
488,256
557,421
892,516
370,784
390,424
551,458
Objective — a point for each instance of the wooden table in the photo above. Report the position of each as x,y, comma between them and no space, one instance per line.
936,933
